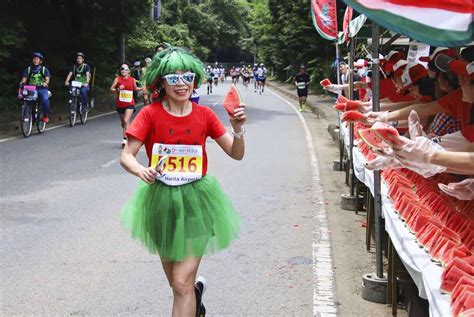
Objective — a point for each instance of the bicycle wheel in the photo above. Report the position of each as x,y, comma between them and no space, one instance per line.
26,120
72,111
40,124
83,113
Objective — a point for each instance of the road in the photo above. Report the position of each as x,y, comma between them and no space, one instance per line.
64,251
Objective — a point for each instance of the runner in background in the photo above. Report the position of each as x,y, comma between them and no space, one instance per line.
222,74
246,74
233,75
255,76
124,85
301,83
209,77
215,77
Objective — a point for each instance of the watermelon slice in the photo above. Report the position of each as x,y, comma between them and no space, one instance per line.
450,278
341,99
460,288
463,303
443,245
460,251
387,133
353,115
348,106
232,100
371,139
325,82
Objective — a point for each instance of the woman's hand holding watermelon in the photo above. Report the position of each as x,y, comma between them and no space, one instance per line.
239,118
373,117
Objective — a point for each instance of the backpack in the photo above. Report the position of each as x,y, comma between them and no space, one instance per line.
43,70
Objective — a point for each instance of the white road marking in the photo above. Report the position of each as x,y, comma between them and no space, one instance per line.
323,273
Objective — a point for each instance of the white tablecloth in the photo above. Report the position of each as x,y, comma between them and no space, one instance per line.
425,273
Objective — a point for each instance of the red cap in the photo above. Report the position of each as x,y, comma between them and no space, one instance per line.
394,56
445,50
413,74
462,69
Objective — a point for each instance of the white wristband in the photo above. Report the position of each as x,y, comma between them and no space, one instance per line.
238,135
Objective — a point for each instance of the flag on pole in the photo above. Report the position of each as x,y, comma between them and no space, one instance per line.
438,23
345,23
324,16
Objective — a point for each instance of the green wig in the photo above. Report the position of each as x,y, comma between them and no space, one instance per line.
169,61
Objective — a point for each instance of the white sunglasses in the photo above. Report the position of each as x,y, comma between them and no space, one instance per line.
173,79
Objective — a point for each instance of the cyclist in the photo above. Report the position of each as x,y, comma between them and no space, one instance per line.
80,72
262,76
209,76
301,83
39,76
124,86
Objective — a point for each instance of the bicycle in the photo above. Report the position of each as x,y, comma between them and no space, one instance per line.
75,104
31,111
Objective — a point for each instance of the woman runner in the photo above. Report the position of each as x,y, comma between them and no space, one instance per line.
178,211
124,85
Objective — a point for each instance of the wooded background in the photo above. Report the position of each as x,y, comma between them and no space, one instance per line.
279,34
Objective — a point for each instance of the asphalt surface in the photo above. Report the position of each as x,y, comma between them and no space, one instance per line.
63,250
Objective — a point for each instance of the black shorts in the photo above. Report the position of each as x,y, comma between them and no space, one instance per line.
122,110
302,92
246,79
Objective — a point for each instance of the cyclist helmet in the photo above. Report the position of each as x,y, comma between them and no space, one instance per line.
37,54
80,54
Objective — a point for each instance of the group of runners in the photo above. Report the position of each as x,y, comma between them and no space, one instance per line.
257,74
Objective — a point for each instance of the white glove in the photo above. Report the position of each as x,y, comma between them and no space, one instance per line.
383,162
415,155
414,126
463,190
334,88
373,117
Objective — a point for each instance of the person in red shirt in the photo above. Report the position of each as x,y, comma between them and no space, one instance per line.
124,86
179,211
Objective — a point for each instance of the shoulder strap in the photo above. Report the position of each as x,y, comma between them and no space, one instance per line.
29,71
43,70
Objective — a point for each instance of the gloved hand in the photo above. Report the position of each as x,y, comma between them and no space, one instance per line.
334,88
373,117
414,126
383,162
463,190
415,155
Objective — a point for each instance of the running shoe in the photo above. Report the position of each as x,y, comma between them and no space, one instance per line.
45,119
124,141
200,287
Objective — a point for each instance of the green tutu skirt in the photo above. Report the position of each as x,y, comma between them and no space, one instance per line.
177,222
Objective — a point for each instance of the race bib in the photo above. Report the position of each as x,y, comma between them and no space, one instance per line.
301,85
126,95
182,163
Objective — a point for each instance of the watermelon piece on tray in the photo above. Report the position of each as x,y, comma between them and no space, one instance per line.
232,100
460,251
353,115
451,277
442,247
463,303
342,99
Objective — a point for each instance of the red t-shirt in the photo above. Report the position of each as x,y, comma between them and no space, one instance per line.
154,125
463,111
387,88
129,84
